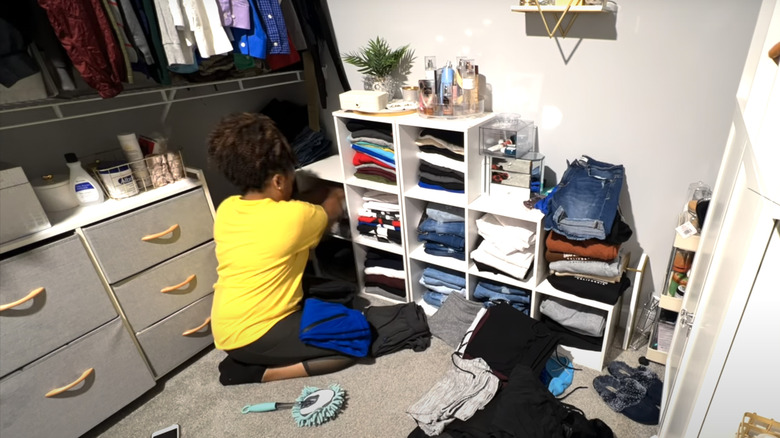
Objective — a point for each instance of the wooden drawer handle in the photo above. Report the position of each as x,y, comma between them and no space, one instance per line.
58,391
178,286
198,328
158,235
29,296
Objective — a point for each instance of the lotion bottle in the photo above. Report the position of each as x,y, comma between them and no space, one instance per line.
85,187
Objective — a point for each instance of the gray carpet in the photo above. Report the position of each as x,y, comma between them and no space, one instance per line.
379,392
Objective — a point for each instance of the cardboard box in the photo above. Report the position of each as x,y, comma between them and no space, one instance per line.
20,211
363,100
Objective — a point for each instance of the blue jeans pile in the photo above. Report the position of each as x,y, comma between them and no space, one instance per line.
443,233
440,283
491,294
585,202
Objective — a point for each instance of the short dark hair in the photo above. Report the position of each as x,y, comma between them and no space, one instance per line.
249,150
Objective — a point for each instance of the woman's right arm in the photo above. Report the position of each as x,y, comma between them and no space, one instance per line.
334,204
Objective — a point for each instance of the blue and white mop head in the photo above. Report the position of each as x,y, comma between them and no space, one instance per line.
316,406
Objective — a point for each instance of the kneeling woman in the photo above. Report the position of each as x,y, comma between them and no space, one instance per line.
263,238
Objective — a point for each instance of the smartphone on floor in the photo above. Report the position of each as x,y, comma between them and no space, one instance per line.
171,431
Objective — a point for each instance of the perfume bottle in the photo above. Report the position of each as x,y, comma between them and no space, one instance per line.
470,87
445,89
430,67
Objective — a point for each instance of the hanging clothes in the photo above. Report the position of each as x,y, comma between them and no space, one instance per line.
206,25
315,23
84,30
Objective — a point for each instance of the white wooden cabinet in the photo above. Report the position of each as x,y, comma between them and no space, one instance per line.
475,202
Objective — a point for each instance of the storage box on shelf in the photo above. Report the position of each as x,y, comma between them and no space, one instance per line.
118,290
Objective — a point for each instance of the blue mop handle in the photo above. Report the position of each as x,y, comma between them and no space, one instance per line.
261,407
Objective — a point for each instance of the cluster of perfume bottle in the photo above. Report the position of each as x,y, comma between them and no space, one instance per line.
450,91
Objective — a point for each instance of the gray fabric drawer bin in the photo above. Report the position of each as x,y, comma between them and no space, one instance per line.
164,343
142,300
119,377
118,243
72,303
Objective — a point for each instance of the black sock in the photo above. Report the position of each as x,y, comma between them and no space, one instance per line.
232,372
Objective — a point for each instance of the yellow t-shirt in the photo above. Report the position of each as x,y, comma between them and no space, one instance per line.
262,250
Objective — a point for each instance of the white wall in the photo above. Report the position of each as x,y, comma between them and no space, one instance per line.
651,87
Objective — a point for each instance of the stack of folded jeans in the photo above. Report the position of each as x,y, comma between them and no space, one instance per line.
374,158
310,146
442,163
440,283
380,217
507,246
491,293
443,233
586,231
384,274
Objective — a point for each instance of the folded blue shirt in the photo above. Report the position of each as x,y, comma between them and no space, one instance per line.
336,327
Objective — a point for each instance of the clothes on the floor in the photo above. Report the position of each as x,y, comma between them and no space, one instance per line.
464,389
335,327
398,327
451,322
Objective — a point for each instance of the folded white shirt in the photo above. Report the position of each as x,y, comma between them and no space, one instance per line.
387,272
483,256
442,161
506,233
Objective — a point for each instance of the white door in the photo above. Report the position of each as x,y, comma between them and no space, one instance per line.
737,229
746,384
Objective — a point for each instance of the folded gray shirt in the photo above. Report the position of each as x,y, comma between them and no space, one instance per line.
575,317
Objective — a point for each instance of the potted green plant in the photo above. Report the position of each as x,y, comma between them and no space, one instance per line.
379,63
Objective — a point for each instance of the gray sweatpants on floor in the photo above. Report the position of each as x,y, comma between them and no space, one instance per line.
467,387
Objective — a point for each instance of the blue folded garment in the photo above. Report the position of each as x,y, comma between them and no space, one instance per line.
336,327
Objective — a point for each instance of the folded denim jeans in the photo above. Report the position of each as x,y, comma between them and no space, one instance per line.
430,225
449,240
442,288
484,294
440,250
444,213
456,279
586,201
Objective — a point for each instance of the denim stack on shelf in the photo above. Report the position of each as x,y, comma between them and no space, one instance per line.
384,274
440,283
507,246
380,217
491,293
443,231
374,158
442,162
586,231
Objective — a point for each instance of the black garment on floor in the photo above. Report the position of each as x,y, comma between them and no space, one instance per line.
590,289
397,327
524,408
506,337
573,339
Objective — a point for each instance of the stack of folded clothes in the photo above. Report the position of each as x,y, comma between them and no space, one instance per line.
442,162
507,246
443,231
440,283
384,274
374,157
491,293
587,231
380,217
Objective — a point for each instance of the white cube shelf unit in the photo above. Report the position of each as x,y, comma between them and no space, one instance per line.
413,199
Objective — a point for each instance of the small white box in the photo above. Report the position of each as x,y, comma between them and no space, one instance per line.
363,100
20,211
